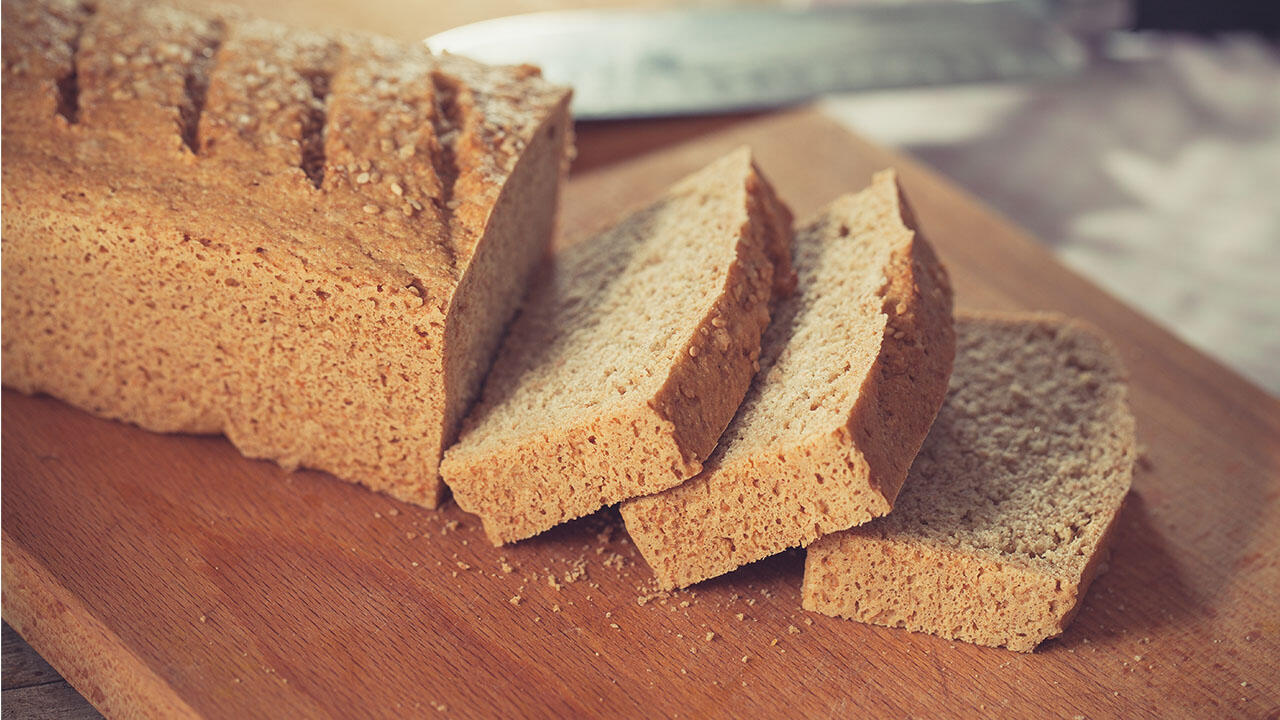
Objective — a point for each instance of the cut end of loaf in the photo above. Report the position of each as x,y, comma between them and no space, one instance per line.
631,355
1008,509
853,369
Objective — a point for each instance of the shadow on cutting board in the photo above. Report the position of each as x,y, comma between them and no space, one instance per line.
1143,590
604,142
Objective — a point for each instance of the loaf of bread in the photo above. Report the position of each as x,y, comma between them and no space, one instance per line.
1006,513
629,358
853,369
311,244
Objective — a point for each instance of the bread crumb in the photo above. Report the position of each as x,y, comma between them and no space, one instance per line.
793,630
710,636
577,572
202,618
515,600
745,658
741,616
463,566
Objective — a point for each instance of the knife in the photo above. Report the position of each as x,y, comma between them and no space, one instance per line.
650,63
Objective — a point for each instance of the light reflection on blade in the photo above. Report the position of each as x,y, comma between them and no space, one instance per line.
633,63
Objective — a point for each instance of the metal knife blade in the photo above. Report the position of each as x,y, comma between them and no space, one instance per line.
647,63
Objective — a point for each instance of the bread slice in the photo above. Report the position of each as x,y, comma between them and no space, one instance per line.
310,243
1005,517
853,370
629,358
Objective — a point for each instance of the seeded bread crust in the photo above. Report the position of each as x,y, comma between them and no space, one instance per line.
1010,505
630,357
853,369
309,243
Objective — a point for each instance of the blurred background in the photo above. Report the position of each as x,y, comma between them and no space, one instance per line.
1154,171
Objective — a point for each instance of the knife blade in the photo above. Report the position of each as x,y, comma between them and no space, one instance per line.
650,63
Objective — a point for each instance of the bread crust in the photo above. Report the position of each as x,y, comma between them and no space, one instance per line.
215,224
974,574
751,503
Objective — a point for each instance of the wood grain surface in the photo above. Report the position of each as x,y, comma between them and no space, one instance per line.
168,575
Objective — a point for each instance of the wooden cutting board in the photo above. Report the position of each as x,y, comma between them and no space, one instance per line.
168,575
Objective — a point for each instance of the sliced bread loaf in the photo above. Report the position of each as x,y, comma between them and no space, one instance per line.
1007,509
310,243
853,369
629,358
